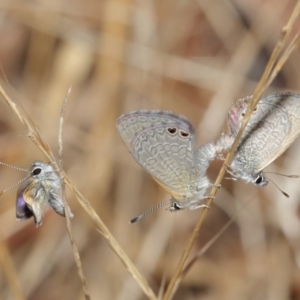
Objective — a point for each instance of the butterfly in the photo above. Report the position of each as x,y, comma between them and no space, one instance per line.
163,143
272,128
41,187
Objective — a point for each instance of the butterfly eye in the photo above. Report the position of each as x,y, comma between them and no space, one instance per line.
176,206
243,114
172,130
36,171
255,109
184,134
259,179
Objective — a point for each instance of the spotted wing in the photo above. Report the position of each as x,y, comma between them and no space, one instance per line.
163,144
272,128
289,104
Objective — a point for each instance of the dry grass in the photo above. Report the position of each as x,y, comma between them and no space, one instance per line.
194,58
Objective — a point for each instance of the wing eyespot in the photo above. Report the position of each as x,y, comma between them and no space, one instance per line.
184,134
172,130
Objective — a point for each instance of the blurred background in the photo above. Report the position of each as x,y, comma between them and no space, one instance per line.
194,58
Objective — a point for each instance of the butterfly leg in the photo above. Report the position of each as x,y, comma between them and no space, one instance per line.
196,206
234,177
213,185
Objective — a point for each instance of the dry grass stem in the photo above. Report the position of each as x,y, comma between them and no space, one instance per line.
67,209
112,241
205,248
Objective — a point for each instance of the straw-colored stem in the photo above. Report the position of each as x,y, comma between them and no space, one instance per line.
67,210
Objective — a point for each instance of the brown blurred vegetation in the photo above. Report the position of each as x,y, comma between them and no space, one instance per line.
192,57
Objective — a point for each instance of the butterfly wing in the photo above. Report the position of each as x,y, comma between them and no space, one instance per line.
289,103
22,210
34,197
284,125
57,203
163,144
272,128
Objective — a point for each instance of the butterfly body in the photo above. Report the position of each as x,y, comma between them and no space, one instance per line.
43,186
164,145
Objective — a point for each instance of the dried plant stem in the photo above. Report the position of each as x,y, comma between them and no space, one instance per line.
112,241
200,253
35,136
67,210
206,247
273,67
282,60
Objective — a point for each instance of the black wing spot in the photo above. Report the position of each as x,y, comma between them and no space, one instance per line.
184,134
172,130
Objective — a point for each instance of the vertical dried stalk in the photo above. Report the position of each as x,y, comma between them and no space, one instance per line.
67,211
205,248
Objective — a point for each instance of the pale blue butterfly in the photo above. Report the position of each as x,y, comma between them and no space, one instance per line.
272,128
163,143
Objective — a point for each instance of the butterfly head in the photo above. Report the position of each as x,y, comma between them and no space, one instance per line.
42,172
259,179
175,205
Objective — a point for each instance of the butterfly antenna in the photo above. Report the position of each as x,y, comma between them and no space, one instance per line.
284,193
284,175
12,186
149,211
12,167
